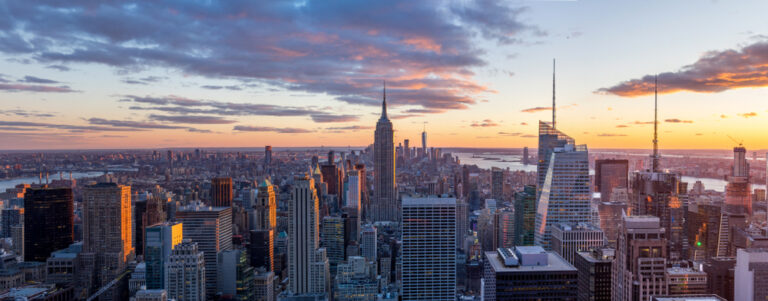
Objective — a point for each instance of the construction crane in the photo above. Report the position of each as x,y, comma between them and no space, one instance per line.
740,142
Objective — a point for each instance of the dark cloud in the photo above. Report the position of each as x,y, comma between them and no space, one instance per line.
715,71
245,128
528,136
37,80
71,128
34,88
59,67
181,105
344,49
675,120
326,118
514,134
350,128
212,87
192,119
26,113
132,124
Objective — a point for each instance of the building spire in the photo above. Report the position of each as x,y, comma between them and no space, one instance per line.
655,124
553,93
384,103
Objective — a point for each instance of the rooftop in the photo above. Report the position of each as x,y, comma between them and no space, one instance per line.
555,263
431,200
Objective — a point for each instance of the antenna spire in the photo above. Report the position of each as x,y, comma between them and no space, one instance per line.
553,93
384,103
655,123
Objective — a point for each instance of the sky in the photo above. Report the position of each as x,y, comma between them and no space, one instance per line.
154,74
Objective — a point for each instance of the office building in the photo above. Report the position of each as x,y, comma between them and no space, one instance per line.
185,273
720,276
384,206
549,140
567,239
305,263
263,225
353,197
61,266
738,199
356,280
639,271
221,192
504,223
107,232
658,194
334,177
48,225
462,223
160,241
235,275
151,295
565,195
264,285
610,174
333,240
525,216
428,249
750,274
528,273
497,183
211,229
595,274
369,241
610,214
686,281
267,155
10,217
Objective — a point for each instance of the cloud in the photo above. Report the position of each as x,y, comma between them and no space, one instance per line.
59,67
675,120
350,128
37,80
510,134
132,124
529,136
34,88
425,50
213,87
642,122
192,119
245,128
610,135
484,123
523,123
748,115
26,113
327,118
715,71
723,116
185,106
70,128
536,109
622,126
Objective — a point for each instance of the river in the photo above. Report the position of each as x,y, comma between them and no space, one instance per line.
10,183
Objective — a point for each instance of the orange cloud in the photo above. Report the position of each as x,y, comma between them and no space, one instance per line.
748,115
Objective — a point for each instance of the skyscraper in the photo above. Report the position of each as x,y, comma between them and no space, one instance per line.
353,197
235,275
385,205
160,241
564,195
525,216
369,243
221,192
107,236
407,150
49,223
424,141
751,268
595,274
263,226
303,238
185,273
737,193
658,194
610,174
568,239
333,240
267,155
11,216
211,229
528,273
428,250
497,184
641,258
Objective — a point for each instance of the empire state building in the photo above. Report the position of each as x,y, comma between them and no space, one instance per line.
384,207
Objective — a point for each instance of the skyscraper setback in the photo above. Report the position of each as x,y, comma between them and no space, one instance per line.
384,207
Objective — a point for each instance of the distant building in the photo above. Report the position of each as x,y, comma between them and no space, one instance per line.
235,275
61,267
356,280
528,273
720,276
151,295
369,242
567,239
49,223
333,240
610,174
10,217
595,274
751,275
263,226
686,281
497,183
264,281
221,192
185,273
428,249
384,206
307,263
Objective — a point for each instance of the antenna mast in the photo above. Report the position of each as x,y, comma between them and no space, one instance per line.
655,124
553,93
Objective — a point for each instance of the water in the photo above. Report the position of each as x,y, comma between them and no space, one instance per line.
516,164
10,183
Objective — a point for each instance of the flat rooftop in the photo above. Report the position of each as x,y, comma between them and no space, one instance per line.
431,200
555,264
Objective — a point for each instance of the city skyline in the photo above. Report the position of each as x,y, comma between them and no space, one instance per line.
475,76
